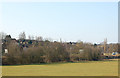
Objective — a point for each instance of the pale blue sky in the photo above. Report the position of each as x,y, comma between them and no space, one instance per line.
71,21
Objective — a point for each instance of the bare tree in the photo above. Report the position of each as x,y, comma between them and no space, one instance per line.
2,35
31,37
39,38
22,35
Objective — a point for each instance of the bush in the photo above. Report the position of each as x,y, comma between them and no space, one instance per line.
50,52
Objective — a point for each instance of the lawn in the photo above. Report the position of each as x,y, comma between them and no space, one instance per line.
91,68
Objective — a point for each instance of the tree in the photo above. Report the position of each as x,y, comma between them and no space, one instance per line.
39,38
22,35
2,35
31,37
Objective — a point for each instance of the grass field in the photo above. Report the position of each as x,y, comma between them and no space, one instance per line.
91,68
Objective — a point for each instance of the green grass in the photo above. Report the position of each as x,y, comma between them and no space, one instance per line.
90,68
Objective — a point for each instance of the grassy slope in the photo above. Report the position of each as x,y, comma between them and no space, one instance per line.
94,68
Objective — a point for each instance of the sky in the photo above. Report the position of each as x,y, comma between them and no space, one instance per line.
70,21
59,0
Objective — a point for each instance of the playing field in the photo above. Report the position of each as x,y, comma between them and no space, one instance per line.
91,68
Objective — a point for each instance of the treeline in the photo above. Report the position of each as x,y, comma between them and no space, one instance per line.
39,50
49,52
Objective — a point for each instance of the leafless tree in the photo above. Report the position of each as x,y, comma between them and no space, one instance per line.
39,38
2,35
31,37
22,35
